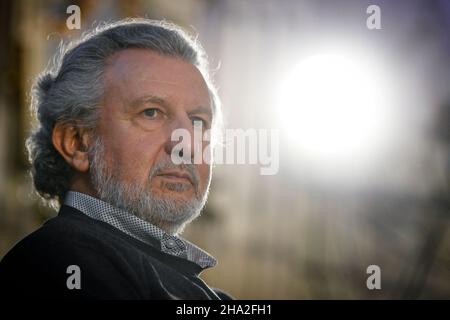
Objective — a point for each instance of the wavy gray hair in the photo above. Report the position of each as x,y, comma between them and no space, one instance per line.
70,90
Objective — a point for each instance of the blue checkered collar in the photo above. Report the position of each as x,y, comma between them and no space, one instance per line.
138,228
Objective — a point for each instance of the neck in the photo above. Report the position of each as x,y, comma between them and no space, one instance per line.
81,183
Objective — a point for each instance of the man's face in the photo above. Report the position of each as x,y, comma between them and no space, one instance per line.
148,96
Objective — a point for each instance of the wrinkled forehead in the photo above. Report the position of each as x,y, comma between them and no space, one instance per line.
135,72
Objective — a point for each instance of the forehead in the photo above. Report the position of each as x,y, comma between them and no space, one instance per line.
135,72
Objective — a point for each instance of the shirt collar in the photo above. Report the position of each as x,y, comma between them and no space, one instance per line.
138,228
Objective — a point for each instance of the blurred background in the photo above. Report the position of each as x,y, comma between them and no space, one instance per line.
363,118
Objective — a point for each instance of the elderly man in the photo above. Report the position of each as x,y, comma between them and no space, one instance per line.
103,154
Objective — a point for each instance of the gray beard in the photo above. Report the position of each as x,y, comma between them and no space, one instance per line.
167,213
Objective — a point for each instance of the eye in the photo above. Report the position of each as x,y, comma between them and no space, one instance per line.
198,121
151,113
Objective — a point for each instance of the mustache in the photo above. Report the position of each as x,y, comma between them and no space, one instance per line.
96,156
188,167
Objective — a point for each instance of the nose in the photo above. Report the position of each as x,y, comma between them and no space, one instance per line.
181,145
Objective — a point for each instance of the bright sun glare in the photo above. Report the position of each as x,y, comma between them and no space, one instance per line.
332,107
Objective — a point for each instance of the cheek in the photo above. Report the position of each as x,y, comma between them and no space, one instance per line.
132,159
204,171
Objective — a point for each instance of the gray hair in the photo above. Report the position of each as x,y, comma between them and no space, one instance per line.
70,90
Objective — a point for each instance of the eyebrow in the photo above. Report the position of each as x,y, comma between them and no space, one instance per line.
202,109
149,98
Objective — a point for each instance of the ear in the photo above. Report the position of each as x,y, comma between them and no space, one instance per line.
72,144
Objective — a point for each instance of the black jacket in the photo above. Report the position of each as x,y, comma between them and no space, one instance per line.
112,265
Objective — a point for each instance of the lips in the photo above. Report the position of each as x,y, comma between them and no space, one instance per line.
177,175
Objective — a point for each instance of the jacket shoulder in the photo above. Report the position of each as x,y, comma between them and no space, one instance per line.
40,264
